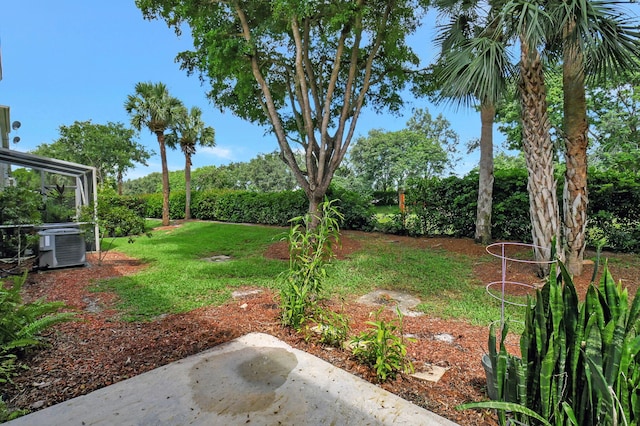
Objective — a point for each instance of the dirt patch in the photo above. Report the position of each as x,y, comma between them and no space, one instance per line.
100,350
342,250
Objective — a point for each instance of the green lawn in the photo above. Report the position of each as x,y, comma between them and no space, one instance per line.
179,278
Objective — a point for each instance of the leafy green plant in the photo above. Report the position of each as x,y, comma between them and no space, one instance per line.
59,205
117,217
8,367
332,327
310,249
296,301
18,206
21,323
7,415
382,347
579,362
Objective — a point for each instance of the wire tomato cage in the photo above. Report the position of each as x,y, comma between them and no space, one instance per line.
501,250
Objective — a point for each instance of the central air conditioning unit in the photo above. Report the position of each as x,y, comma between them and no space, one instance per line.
62,247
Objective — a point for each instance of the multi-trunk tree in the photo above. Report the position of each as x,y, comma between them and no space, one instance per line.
305,69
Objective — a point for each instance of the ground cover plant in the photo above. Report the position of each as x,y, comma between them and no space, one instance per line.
382,347
77,359
20,327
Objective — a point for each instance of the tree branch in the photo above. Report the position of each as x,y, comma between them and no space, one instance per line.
270,105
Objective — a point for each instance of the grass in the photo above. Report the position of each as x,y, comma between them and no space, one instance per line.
384,210
443,281
178,279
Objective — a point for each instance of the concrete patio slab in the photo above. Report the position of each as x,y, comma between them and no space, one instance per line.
253,380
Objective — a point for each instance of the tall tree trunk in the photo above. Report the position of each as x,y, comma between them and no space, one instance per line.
575,196
119,179
485,182
187,186
538,149
165,179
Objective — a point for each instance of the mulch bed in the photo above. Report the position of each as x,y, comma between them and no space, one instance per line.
100,349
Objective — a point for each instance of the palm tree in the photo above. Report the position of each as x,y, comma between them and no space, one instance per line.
538,149
478,66
154,108
189,131
474,67
596,39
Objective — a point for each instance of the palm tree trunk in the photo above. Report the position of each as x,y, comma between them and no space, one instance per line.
485,179
575,197
165,179
538,149
120,184
187,186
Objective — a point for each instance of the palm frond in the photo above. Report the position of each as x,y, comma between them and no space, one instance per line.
36,327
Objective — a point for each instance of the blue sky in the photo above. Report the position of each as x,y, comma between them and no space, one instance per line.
77,60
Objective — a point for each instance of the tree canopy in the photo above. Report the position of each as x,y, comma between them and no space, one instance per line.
264,173
385,160
110,148
306,69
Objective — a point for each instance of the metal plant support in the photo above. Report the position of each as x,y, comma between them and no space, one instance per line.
500,250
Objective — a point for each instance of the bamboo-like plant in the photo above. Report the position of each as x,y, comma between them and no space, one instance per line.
309,251
579,361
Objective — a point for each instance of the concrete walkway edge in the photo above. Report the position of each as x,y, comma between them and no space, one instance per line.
253,380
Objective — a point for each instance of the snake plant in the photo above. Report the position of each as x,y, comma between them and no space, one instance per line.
579,361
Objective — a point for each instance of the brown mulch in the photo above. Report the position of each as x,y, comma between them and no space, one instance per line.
100,350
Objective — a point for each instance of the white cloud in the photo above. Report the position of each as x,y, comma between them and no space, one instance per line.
217,151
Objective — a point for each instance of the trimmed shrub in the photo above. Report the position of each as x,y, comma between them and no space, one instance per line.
442,206
356,209
118,216
614,210
177,204
510,219
273,208
153,205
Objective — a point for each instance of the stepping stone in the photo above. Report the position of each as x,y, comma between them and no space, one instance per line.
431,373
391,299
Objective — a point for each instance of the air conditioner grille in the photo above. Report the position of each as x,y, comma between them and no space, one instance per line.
70,249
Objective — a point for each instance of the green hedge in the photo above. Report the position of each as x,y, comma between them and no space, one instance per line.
614,210
118,216
435,207
448,207
274,208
